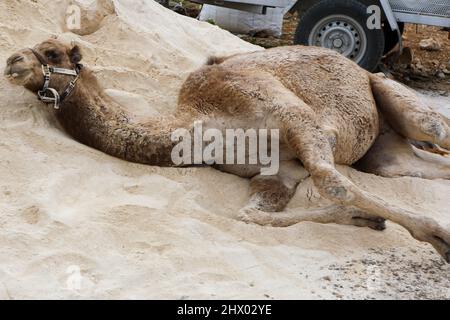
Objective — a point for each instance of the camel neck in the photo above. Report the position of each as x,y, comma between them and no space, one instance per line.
94,119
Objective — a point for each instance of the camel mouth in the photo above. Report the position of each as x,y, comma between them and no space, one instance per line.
17,76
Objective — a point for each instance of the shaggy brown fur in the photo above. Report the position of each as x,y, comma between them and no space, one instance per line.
326,108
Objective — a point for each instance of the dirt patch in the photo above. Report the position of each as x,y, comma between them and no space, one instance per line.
429,70
389,275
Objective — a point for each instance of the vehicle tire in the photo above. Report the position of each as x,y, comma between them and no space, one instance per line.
341,25
391,37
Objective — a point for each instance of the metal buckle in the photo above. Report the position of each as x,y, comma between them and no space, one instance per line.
45,69
42,94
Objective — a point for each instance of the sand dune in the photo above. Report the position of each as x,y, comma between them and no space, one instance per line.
76,223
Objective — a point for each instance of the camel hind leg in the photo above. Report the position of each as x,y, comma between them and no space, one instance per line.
407,114
313,146
339,189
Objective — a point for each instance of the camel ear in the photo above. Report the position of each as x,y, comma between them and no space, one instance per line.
75,54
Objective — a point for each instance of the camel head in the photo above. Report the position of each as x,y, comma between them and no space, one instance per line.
24,68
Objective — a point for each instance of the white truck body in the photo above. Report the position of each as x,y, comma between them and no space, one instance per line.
428,12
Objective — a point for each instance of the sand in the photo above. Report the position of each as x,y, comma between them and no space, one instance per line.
76,223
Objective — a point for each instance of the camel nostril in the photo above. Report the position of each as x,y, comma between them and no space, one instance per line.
15,58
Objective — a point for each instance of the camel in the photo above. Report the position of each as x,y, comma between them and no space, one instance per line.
328,110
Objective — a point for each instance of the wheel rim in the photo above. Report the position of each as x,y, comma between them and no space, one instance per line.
342,34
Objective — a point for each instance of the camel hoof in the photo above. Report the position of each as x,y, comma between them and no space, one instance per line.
437,236
443,247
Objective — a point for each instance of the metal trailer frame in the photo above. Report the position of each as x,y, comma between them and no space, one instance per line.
427,12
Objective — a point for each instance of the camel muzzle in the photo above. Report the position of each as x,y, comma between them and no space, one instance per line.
7,71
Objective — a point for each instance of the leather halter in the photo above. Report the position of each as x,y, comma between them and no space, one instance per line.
51,95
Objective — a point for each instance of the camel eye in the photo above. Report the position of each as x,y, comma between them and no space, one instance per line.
51,54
